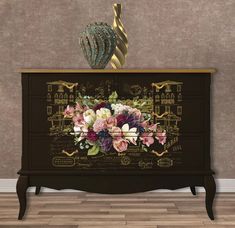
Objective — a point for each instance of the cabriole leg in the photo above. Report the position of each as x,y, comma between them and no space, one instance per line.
21,189
193,190
37,191
210,187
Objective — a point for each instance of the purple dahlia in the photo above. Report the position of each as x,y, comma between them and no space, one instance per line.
106,144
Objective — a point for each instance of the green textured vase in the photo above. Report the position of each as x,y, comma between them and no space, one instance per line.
98,43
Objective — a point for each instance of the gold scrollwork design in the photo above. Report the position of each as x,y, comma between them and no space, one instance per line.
59,161
159,154
160,116
135,90
69,154
165,162
125,160
145,164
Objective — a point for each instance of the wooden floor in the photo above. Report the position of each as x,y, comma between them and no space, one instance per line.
142,210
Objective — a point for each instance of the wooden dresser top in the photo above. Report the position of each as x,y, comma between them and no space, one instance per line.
170,70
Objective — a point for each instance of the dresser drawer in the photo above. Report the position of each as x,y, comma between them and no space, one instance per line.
190,118
61,153
125,84
89,84
132,85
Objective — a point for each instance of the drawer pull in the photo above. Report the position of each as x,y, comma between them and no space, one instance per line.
159,154
69,85
69,154
160,116
159,86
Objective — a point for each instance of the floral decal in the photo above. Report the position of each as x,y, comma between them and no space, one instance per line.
106,126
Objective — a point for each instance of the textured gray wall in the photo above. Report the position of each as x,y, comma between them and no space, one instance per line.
162,34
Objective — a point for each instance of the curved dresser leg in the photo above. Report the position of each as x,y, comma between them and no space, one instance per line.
37,191
210,187
21,189
193,190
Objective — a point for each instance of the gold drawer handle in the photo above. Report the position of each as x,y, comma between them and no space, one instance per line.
159,86
69,85
69,154
159,154
160,116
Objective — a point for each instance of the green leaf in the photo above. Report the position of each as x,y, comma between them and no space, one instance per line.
145,149
113,97
93,150
76,140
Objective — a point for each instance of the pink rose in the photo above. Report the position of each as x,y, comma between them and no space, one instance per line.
68,112
161,137
79,108
144,124
115,132
99,125
120,145
78,120
152,127
147,138
111,122
136,112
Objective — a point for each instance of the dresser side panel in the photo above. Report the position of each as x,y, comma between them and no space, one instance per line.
25,121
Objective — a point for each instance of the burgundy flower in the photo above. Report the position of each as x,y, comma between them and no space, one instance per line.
92,136
131,120
121,120
99,106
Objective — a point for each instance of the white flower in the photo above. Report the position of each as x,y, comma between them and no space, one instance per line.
119,108
77,130
130,134
103,113
89,116
81,132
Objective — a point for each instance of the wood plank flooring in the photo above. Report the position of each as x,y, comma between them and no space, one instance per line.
142,210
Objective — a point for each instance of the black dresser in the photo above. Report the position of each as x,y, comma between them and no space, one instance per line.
116,131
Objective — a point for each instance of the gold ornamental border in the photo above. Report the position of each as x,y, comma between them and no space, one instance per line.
171,70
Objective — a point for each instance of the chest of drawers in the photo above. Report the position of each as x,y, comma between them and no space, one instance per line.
165,142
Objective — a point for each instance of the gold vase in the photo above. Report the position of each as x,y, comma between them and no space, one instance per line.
120,53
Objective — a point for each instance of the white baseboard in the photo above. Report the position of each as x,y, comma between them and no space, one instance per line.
222,185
